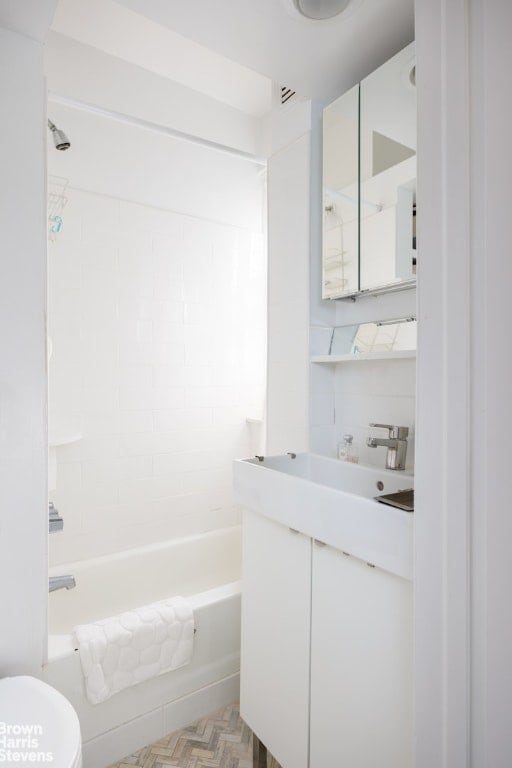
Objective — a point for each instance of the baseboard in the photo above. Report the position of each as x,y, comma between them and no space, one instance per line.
127,738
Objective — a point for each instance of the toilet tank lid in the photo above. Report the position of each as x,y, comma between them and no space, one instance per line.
33,711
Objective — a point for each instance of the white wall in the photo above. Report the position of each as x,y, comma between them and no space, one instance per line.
125,161
82,73
383,392
288,279
346,398
23,474
463,527
157,318
491,372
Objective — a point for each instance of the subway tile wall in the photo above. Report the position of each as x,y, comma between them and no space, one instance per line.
346,398
158,331
373,391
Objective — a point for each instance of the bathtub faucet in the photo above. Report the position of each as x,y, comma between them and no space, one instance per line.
61,582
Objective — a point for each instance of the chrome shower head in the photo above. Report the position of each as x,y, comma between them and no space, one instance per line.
60,139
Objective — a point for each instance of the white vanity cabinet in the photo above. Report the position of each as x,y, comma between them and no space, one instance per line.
361,664
326,670
276,600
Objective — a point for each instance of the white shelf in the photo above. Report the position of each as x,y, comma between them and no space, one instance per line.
54,440
399,353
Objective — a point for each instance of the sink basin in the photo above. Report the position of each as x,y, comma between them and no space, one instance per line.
340,475
333,502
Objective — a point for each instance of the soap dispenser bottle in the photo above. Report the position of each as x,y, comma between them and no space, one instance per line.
347,450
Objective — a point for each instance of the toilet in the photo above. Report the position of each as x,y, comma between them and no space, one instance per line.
35,719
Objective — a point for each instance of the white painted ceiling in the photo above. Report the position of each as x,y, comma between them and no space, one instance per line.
29,17
320,59
234,50
116,30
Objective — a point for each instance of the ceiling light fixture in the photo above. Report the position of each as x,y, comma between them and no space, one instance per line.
320,10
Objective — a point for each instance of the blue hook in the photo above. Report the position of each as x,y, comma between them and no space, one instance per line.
57,226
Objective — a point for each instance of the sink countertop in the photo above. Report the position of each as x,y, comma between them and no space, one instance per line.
332,501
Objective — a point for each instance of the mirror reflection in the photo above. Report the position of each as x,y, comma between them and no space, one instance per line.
369,183
399,334
340,197
388,172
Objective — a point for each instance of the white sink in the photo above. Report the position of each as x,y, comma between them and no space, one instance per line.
332,501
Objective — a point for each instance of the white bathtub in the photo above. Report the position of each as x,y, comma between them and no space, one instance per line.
204,568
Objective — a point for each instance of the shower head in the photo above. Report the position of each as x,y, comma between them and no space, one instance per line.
60,139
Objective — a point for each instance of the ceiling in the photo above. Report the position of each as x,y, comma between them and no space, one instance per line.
318,59
28,17
235,50
118,31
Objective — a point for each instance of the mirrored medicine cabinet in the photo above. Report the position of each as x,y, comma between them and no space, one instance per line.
369,183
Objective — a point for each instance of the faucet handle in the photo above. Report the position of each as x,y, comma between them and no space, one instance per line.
55,521
397,433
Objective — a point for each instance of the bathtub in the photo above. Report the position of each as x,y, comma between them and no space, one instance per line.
206,570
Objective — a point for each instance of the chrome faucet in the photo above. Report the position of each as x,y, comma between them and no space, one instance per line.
55,521
61,582
396,444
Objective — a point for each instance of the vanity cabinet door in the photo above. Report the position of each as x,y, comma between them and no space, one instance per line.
276,598
361,664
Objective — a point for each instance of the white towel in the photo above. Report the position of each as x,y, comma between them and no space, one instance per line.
123,650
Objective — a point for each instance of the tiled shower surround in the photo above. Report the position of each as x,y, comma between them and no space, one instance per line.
157,325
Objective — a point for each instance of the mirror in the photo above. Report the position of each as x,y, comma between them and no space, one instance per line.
369,183
382,336
388,172
340,253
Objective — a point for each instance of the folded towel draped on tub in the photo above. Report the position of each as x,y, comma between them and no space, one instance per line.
123,650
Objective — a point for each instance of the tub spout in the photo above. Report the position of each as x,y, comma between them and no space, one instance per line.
61,582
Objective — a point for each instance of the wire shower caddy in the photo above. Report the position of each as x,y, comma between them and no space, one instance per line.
57,201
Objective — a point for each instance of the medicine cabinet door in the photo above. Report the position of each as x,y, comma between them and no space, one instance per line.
388,173
340,248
